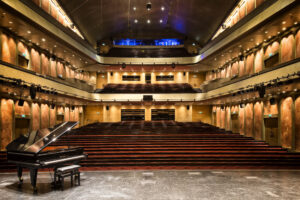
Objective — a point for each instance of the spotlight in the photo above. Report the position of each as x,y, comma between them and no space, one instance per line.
241,57
272,101
53,57
20,102
148,6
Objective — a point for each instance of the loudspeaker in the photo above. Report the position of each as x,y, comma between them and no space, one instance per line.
21,102
242,105
32,91
262,91
187,107
173,65
222,107
272,101
111,73
73,107
52,106
107,107
183,73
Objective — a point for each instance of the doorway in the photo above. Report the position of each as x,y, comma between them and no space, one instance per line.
162,114
22,126
271,130
148,78
235,123
132,114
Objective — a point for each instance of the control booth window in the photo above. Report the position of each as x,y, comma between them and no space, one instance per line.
165,78
131,78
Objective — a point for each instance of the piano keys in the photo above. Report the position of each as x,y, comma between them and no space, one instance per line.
29,151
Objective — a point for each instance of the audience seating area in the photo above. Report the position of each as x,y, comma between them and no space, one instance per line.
171,145
147,88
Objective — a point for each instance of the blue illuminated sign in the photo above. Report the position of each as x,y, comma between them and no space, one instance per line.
159,42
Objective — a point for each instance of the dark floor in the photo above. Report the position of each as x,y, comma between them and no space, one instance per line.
162,185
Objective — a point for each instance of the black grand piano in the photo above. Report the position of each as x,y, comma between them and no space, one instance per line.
31,151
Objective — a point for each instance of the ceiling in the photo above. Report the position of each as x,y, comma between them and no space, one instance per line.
103,19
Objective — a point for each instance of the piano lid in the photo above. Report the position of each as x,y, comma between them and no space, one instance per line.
40,139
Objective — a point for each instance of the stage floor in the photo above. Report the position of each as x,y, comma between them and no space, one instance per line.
161,185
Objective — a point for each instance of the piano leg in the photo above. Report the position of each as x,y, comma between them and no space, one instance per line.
20,170
33,177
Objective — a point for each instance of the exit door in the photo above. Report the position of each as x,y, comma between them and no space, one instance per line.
271,130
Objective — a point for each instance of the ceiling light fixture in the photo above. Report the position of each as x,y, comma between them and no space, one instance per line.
148,21
162,8
136,21
134,8
43,39
29,32
10,22
160,21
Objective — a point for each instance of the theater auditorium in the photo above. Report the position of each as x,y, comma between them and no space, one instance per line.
150,99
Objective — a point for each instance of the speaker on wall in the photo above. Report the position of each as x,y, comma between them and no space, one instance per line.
272,101
20,102
183,73
111,73
107,107
187,107
32,92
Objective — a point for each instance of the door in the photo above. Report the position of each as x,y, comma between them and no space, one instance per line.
59,119
148,78
132,114
162,114
22,126
235,123
271,130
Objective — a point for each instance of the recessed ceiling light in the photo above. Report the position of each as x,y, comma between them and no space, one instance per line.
269,36
10,22
284,22
266,32
86,62
55,46
103,44
295,23
160,21
136,21
28,32
134,8
257,43
162,8
148,21
148,6
240,46
43,39
10,28
73,55
283,28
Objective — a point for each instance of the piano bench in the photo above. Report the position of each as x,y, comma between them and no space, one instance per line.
62,172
